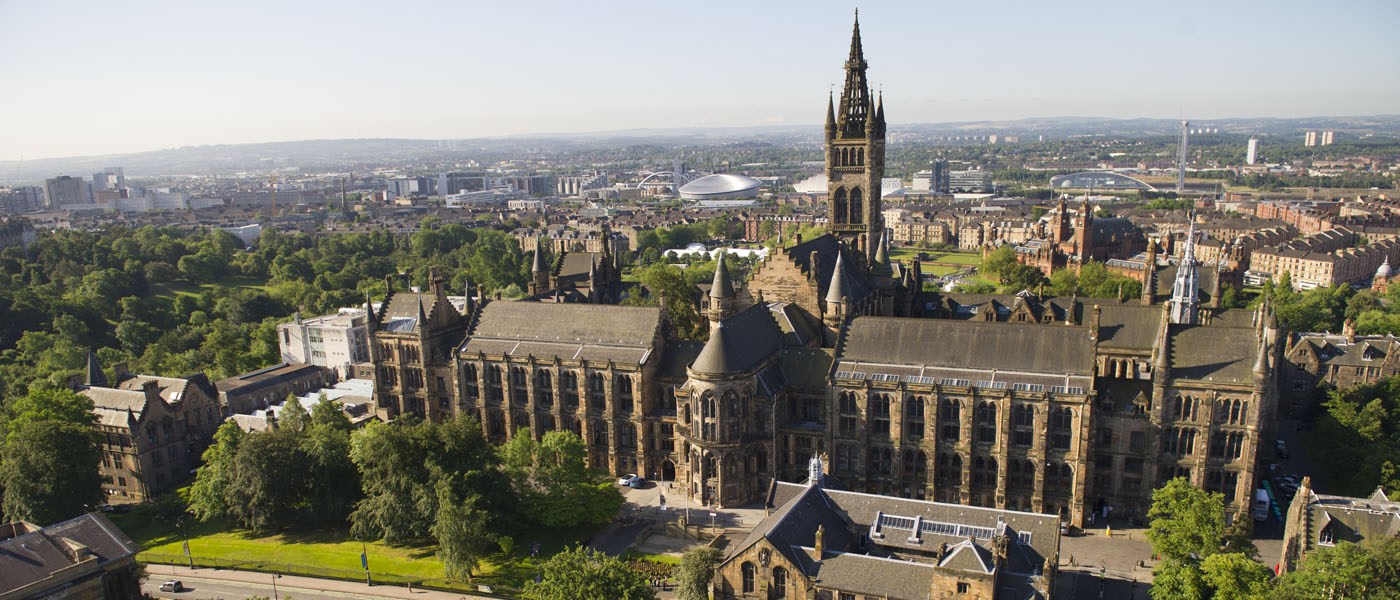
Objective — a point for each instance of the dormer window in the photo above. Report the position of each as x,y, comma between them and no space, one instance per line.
1326,537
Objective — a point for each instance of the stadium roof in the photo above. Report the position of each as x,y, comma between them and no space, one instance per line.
716,186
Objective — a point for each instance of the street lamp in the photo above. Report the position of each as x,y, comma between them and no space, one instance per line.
364,560
185,534
274,586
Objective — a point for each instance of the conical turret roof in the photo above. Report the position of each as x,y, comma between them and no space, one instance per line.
722,287
713,357
836,292
94,375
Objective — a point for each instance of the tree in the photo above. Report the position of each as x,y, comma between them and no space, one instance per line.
48,403
1348,571
49,471
327,413
1234,576
1187,523
209,494
293,416
999,262
461,530
581,573
269,481
696,570
554,483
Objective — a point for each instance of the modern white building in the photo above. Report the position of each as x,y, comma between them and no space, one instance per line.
1250,155
333,341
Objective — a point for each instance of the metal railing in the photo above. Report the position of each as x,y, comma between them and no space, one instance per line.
433,583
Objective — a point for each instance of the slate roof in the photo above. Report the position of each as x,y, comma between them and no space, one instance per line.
742,342
30,556
111,405
1364,351
678,355
1353,519
969,344
827,247
1211,353
593,332
401,315
1128,326
872,576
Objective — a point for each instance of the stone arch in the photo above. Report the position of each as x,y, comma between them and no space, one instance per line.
856,213
838,206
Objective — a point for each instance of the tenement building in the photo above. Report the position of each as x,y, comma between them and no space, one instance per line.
1060,406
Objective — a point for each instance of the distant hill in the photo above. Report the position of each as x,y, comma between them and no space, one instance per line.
360,154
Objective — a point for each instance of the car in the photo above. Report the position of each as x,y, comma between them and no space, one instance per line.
637,483
1281,448
627,479
174,585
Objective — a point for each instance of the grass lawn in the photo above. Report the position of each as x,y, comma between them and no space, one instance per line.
172,289
333,551
910,253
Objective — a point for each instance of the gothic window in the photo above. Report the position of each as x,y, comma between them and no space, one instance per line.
544,389
1234,447
880,460
1184,407
1023,424
600,433
984,472
913,425
857,214
948,471
568,386
623,385
915,464
838,205
1180,441
627,436
949,420
1021,474
1059,478
597,396
1061,427
880,414
519,390
779,582
846,406
986,418
749,572
709,415
860,156
493,384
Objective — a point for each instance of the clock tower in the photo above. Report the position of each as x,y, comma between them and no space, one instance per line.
855,159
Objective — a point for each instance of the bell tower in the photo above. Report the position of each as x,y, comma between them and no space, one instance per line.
855,158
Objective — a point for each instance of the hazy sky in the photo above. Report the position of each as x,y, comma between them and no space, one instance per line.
100,77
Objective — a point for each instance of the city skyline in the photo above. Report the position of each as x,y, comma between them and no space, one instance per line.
145,77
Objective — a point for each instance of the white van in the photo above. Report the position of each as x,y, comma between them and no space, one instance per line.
1261,505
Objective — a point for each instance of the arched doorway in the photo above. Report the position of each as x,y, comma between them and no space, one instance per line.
668,470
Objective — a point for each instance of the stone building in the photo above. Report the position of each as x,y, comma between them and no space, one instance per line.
83,558
1051,405
829,544
1321,521
152,429
255,390
412,338
1077,237
1344,360
588,277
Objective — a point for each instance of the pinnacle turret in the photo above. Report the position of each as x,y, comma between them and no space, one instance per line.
722,287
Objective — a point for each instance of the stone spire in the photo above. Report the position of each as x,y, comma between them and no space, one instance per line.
94,375
855,97
714,357
539,275
369,308
882,252
422,316
830,116
836,292
722,287
1184,290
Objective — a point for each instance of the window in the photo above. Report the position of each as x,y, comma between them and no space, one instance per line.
544,389
493,385
568,387
984,472
623,385
1326,537
469,383
964,587
1136,440
749,575
846,407
880,414
949,421
779,582
986,419
913,418
519,386
880,459
1061,427
597,396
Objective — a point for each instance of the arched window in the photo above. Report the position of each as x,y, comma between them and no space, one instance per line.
986,418
847,413
519,388
880,414
623,385
544,388
838,206
860,156
913,425
857,214
750,573
949,420
1061,427
469,382
597,392
568,386
779,582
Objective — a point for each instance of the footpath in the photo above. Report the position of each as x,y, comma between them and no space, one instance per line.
293,583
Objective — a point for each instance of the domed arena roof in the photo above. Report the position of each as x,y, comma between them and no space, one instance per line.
721,185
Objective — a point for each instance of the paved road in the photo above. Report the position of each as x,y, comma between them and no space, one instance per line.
228,584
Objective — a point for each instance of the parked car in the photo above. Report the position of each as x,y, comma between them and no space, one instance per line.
174,585
626,479
637,483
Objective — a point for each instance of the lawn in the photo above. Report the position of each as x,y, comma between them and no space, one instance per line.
910,253
333,552
172,289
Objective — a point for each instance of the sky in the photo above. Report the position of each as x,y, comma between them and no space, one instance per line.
98,77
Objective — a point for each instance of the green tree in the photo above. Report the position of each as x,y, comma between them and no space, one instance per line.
269,481
1234,576
554,482
293,416
999,262
209,494
328,413
696,570
49,471
1347,571
581,573
1187,526
462,533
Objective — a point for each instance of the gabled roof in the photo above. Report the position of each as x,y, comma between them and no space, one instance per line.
978,345
827,247
33,555
1212,353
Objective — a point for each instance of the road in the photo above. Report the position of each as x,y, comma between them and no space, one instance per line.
227,584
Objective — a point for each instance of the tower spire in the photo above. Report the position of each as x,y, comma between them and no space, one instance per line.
1184,290
855,97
